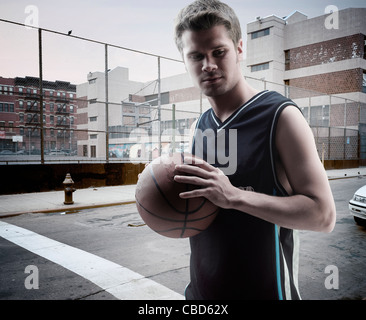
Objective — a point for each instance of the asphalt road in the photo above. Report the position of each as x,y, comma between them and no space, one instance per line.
332,266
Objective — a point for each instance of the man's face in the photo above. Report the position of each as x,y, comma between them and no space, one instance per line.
212,60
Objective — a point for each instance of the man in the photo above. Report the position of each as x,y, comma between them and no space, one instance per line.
250,251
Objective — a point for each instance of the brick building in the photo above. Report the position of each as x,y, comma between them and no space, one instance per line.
311,54
321,64
20,115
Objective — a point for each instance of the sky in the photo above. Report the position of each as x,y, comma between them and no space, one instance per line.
144,25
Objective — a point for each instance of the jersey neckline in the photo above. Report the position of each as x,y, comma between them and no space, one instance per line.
222,125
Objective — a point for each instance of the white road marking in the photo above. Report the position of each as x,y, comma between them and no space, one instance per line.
119,281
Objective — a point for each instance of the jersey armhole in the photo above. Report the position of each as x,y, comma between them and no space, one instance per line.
273,149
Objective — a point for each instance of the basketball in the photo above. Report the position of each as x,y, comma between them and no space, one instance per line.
161,208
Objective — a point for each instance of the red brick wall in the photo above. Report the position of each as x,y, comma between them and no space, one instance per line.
332,83
345,48
182,95
344,114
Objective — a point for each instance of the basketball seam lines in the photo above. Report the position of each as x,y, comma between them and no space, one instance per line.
167,200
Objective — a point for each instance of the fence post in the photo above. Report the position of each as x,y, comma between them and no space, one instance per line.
106,106
41,92
159,106
345,113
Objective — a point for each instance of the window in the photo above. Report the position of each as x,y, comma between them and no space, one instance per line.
21,117
128,109
91,81
93,151
364,82
52,107
1,107
21,104
127,120
319,116
259,67
93,119
71,109
144,110
260,33
85,150
287,59
93,136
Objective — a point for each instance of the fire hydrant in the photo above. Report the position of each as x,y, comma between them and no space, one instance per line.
68,182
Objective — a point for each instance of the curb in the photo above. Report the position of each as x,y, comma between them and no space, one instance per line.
346,177
66,209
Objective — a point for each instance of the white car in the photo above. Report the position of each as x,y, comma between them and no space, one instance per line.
357,206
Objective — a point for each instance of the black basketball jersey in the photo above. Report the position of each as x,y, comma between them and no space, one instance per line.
240,256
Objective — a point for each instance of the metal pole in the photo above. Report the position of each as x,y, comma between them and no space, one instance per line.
173,127
345,113
159,106
41,91
106,107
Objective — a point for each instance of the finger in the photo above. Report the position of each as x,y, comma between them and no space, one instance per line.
198,162
192,194
193,170
194,180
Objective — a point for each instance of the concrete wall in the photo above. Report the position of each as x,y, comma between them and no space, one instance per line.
49,177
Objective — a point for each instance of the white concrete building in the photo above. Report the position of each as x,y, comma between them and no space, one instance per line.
294,51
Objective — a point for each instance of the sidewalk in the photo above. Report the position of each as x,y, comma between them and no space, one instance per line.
47,202
52,201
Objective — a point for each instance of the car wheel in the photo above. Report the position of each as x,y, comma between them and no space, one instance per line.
360,222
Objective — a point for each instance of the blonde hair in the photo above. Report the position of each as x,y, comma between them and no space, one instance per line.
205,14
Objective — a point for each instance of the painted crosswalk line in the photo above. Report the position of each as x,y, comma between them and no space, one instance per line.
117,280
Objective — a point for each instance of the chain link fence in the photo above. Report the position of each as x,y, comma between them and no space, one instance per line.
68,98
334,120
